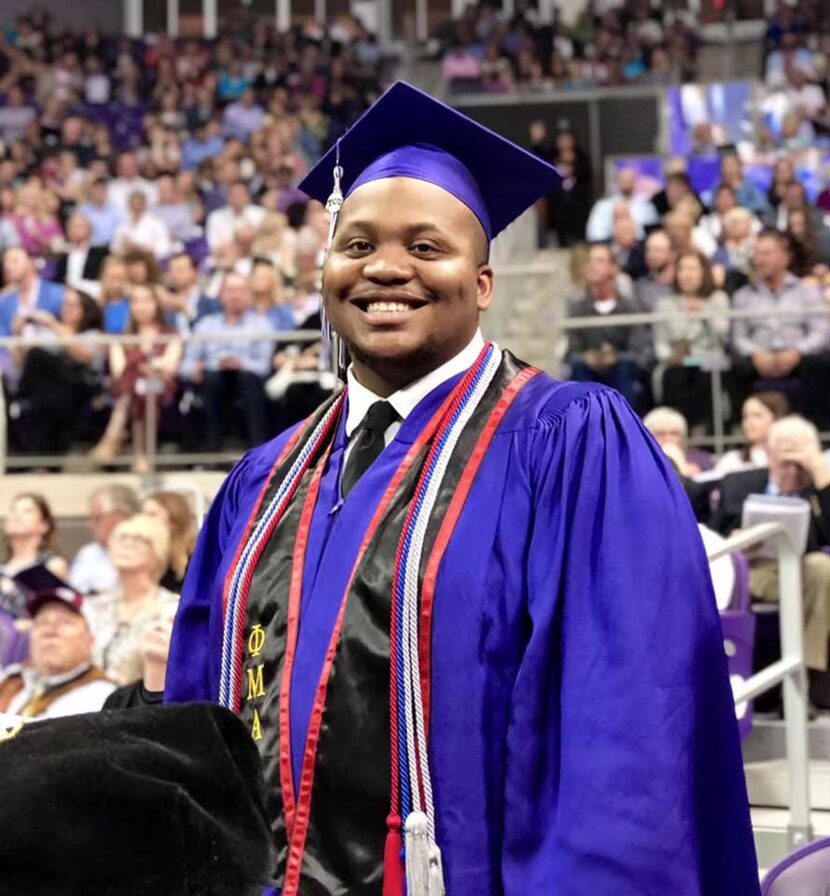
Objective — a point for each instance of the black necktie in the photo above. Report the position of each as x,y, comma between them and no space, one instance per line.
369,443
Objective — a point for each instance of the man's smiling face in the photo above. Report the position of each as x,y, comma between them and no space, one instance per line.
405,279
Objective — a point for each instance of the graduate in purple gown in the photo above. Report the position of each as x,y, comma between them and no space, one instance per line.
464,609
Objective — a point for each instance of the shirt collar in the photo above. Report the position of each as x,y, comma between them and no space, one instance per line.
33,680
405,400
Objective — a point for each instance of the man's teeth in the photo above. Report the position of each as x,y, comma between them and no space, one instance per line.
387,307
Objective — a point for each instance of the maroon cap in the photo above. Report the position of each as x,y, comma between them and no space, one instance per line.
42,586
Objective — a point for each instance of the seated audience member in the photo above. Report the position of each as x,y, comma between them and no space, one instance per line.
142,267
680,194
685,347
60,678
808,257
680,226
174,211
732,262
276,242
56,383
142,230
28,292
134,368
80,265
112,294
92,571
797,467
31,537
711,224
221,224
173,510
604,354
232,368
795,200
35,218
658,281
102,214
758,414
746,192
268,294
184,299
670,430
628,250
781,348
128,182
140,549
600,220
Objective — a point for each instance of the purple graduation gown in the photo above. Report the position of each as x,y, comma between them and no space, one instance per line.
583,739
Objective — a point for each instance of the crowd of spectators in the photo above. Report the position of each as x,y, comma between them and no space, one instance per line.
75,636
631,42
148,187
764,254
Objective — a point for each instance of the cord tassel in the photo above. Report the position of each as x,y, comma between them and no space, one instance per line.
417,855
392,863
436,872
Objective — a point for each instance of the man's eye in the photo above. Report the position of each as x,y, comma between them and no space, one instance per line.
359,246
424,249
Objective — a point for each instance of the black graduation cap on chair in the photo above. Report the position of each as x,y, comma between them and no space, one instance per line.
156,801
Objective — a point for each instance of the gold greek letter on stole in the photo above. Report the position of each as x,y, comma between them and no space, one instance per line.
256,685
256,640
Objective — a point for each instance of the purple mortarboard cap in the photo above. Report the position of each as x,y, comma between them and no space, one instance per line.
408,133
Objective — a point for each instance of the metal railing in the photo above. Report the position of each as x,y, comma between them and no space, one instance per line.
790,671
552,319
717,365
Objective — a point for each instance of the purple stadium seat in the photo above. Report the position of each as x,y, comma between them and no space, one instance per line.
14,644
738,627
804,873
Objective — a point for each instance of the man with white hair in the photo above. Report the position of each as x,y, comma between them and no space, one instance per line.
798,468
601,219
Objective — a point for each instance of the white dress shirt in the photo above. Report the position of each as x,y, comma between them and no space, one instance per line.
221,224
92,570
148,232
405,400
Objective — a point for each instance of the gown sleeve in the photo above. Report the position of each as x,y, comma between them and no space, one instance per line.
624,770
193,664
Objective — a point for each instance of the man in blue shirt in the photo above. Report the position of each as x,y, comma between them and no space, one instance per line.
232,368
102,214
29,293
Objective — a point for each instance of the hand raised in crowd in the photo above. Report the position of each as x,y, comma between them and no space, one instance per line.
811,459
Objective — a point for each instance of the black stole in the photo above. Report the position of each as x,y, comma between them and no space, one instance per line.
351,792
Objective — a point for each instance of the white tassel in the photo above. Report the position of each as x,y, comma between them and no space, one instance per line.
436,872
417,855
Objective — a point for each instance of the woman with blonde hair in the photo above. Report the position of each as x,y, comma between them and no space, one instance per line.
173,510
140,550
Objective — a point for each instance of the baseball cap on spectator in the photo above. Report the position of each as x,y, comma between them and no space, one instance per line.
167,800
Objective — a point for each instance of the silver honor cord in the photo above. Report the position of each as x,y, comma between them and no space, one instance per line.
333,348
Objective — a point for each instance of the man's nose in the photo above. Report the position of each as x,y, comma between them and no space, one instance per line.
389,265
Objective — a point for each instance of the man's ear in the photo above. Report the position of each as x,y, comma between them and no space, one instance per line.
484,284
